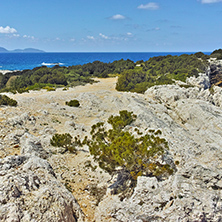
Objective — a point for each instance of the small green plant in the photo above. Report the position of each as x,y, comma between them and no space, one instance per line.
73,103
68,187
185,86
48,88
55,121
5,100
211,89
63,140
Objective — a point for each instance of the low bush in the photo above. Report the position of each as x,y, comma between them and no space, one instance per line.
63,140
5,100
120,151
73,103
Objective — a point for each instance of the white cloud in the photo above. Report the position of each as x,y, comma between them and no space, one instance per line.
28,37
149,6
129,33
117,17
7,30
103,36
73,40
210,1
16,35
90,37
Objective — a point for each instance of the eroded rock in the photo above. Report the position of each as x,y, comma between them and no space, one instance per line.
29,190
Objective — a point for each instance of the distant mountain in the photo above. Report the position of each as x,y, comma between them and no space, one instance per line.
3,50
27,50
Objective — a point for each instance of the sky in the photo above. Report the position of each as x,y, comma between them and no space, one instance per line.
111,25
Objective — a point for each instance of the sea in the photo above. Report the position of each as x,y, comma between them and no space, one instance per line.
22,61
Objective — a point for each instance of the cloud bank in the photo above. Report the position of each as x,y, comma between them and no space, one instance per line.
7,30
103,36
28,37
90,37
149,6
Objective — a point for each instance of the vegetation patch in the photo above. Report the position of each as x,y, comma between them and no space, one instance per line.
217,54
63,140
120,152
161,70
39,77
133,77
48,88
73,103
5,100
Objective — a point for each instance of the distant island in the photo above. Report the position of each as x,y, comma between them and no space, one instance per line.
31,50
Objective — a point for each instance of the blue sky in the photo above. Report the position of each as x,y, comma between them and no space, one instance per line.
111,26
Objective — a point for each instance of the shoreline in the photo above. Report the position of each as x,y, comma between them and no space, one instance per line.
6,71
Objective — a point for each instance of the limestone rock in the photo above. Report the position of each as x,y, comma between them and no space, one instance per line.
32,146
191,123
29,191
202,81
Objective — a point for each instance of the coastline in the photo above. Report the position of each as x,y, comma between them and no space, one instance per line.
22,61
6,71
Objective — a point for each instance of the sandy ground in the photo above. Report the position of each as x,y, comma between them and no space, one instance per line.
77,172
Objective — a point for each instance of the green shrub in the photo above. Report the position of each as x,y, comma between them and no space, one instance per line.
217,54
5,100
73,103
63,140
135,155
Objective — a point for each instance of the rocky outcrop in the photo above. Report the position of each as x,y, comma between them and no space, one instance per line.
190,120
169,94
29,190
216,74
202,81
191,123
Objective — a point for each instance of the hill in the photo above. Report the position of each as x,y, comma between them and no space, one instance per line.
3,49
27,50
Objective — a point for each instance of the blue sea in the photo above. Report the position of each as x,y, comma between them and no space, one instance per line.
21,61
